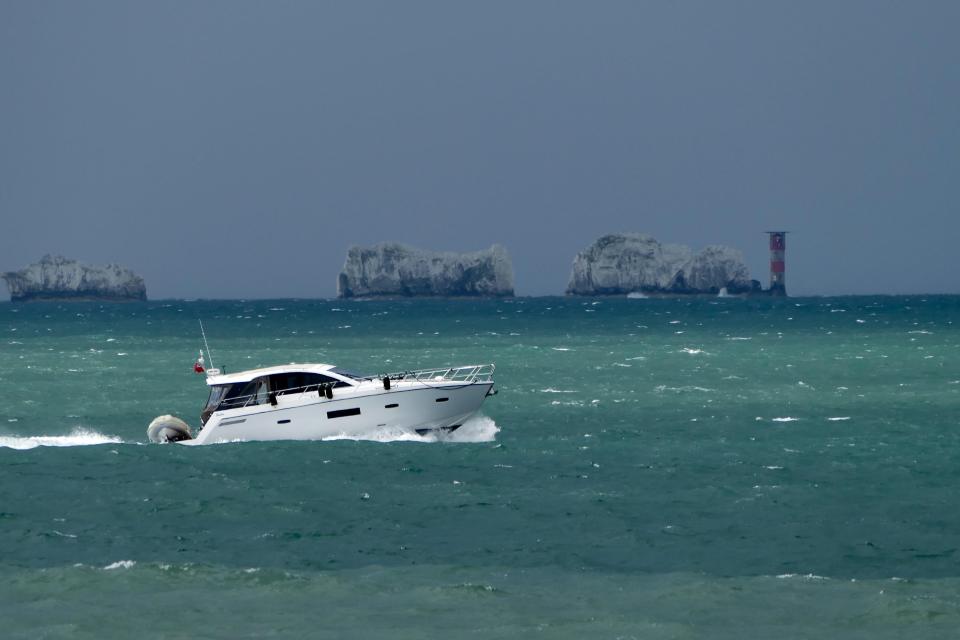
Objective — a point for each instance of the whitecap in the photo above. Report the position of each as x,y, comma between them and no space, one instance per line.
838,418
120,564
561,349
693,352
552,390
78,437
662,387
785,419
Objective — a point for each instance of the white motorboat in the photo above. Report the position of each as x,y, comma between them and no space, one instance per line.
315,401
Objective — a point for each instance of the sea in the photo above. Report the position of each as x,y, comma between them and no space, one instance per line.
650,468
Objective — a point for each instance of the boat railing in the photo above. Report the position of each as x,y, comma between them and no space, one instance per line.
242,401
466,374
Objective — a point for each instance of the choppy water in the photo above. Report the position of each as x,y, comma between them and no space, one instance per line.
651,469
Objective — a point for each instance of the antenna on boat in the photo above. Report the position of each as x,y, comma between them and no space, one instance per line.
204,334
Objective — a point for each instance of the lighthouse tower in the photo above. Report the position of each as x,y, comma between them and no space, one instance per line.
778,247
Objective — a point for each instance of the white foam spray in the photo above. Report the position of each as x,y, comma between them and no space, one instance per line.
479,428
78,437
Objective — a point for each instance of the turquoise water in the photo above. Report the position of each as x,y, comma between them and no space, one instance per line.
660,468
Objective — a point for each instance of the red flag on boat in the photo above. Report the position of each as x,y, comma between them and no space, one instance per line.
198,365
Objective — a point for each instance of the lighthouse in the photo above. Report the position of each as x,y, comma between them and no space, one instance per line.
778,247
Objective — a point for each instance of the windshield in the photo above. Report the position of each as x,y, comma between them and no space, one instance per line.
231,396
216,395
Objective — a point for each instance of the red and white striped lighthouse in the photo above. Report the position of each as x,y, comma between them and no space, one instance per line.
778,247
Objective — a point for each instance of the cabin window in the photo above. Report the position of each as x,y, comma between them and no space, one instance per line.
300,381
343,413
231,396
241,394
348,374
217,394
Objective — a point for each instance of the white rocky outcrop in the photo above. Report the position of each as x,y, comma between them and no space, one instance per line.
633,262
56,277
391,269
715,267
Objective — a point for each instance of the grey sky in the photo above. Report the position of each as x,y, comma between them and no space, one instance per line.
235,149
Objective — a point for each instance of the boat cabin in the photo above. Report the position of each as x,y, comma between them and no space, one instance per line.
262,386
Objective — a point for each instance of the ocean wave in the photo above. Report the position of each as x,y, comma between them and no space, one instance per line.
76,438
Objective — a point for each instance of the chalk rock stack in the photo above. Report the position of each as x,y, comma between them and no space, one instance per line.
631,262
391,269
57,278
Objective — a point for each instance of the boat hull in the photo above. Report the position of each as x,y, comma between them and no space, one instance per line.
311,416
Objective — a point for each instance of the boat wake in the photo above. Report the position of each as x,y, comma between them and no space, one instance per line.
77,438
479,428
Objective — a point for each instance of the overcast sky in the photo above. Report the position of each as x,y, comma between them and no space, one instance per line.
236,149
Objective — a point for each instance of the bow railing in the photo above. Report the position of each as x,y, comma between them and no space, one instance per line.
467,374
